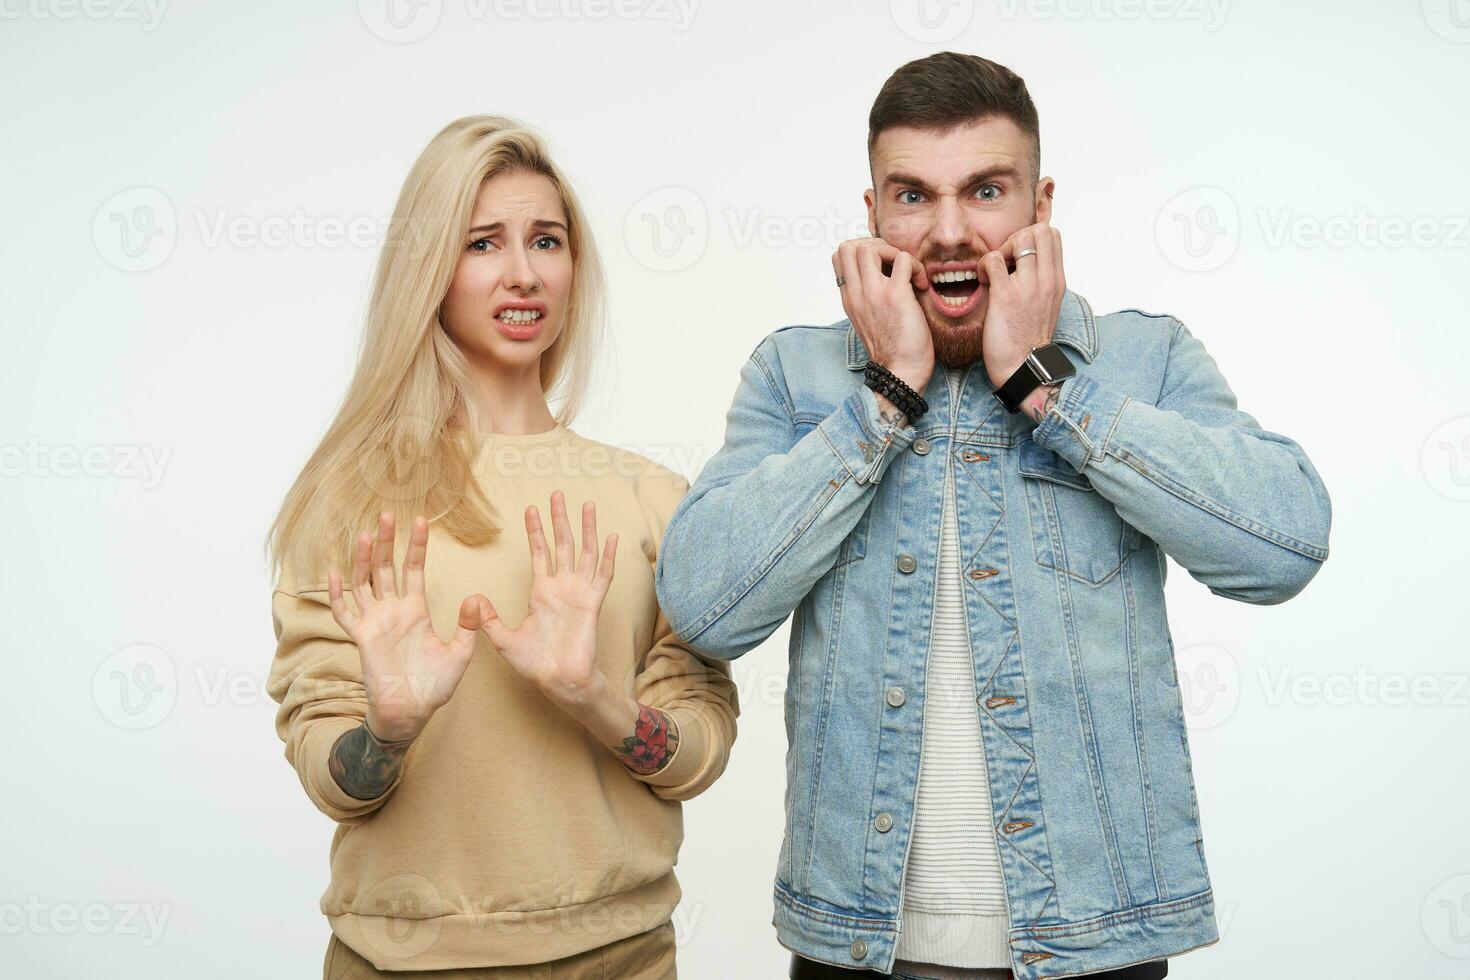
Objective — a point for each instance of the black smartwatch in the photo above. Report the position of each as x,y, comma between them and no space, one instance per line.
1045,365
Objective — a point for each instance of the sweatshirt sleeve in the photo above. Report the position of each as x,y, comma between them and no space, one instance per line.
316,678
697,692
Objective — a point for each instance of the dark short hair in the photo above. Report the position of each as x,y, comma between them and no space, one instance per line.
949,89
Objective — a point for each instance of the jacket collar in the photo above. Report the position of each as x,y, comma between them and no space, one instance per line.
1075,328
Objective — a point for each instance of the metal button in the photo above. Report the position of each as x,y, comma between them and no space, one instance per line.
896,697
859,949
907,563
884,822
921,446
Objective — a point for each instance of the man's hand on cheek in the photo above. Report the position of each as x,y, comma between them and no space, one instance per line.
883,306
1024,304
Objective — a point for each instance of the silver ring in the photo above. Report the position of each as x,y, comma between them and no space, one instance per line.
1025,252
841,282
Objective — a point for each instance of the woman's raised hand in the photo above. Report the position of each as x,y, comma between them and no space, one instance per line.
555,645
408,671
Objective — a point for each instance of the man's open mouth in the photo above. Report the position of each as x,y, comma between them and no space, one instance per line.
954,290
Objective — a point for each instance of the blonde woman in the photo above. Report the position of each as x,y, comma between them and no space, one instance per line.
503,726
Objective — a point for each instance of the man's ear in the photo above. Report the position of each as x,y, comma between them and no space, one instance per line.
1045,188
871,200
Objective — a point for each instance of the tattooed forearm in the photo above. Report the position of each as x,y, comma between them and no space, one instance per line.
889,413
365,765
1038,409
894,418
652,743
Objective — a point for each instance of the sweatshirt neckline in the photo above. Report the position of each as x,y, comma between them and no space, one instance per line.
553,434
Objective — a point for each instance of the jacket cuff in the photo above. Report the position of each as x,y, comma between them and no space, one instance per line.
1081,422
860,439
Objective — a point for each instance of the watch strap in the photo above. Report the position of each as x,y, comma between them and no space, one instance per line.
1031,375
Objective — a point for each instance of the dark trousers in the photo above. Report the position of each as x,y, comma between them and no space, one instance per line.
805,969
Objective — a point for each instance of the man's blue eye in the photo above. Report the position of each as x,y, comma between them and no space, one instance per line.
988,187
909,197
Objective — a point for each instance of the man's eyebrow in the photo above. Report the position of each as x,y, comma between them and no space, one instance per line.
541,224
898,177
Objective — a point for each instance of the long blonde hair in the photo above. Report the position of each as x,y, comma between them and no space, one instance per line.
393,444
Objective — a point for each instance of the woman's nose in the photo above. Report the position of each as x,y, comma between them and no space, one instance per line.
518,271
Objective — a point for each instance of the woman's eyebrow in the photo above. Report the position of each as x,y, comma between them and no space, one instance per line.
539,224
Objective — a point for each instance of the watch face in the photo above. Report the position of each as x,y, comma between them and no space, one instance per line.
1056,364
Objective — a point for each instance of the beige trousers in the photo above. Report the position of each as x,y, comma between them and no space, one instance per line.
645,956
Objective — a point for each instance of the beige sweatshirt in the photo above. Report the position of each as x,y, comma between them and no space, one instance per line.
511,835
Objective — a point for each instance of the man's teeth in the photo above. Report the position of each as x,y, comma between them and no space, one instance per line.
957,275
519,316
955,301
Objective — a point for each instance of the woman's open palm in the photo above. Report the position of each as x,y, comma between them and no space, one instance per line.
555,645
408,672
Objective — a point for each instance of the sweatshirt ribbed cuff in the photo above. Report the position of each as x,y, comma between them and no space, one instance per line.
689,754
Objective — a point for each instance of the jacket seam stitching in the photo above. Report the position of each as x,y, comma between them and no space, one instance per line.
1215,509
712,615
1123,916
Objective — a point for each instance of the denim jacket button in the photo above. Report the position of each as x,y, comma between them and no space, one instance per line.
907,563
859,949
896,697
884,822
921,446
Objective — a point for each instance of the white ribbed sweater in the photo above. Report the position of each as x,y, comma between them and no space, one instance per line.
954,907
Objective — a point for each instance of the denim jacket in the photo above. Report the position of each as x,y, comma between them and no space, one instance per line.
815,506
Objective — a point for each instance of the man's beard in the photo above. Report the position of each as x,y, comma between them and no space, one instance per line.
958,344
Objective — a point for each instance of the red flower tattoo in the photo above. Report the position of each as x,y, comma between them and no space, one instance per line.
654,739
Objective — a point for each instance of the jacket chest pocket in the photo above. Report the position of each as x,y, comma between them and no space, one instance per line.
1074,529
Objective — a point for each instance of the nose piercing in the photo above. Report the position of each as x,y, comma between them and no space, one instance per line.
537,286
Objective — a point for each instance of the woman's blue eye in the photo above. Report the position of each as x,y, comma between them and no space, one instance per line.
552,239
473,246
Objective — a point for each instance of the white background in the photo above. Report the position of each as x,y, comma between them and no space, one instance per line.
181,315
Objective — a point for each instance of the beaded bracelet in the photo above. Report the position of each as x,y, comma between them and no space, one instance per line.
883,381
891,386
